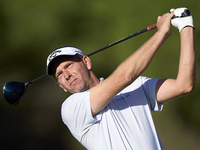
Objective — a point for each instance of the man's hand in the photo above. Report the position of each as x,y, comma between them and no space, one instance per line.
164,23
182,18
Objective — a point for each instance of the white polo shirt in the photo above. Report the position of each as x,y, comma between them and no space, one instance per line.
124,124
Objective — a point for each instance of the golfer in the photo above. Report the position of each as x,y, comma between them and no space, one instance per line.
115,113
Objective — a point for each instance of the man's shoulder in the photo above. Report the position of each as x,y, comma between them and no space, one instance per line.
75,97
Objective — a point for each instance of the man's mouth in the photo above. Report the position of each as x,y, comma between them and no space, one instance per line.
73,81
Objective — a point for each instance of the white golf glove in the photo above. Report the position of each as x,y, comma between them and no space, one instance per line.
182,18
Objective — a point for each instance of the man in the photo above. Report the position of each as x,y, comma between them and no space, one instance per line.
115,113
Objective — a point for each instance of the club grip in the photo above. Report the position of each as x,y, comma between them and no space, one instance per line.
152,27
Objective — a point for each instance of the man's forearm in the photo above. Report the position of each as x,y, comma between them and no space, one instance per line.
187,65
137,63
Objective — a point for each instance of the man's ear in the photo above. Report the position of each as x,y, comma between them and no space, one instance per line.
62,87
87,62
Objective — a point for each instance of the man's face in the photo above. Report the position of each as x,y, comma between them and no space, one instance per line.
72,73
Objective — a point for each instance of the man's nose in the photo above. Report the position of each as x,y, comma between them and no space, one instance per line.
67,74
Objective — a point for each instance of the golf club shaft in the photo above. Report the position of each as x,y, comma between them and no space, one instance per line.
112,44
27,83
125,38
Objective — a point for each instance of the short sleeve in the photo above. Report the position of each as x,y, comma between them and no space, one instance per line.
149,86
76,113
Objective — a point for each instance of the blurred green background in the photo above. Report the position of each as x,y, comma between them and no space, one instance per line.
31,29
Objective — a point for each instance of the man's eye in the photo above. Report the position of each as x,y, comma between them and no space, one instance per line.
58,75
69,64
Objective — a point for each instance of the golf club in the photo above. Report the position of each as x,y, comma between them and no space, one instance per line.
14,91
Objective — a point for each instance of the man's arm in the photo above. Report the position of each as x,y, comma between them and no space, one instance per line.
185,81
131,68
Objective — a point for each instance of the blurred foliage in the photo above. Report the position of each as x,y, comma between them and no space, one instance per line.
31,29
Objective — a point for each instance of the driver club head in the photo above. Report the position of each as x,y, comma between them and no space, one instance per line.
13,92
